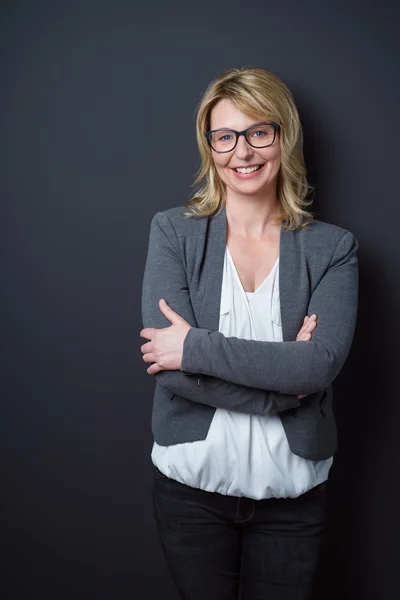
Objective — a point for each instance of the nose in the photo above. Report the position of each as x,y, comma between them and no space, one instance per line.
243,149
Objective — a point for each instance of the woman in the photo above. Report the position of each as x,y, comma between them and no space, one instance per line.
242,417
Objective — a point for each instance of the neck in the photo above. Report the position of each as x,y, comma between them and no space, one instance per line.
252,217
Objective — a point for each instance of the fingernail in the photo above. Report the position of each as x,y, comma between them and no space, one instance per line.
162,301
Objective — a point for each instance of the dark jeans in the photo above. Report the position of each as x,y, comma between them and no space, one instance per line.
224,547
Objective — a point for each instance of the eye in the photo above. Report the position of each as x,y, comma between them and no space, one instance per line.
262,131
226,137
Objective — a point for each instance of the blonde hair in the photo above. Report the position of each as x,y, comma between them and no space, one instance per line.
261,94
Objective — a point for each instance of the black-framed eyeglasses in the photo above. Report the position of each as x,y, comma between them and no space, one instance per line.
259,135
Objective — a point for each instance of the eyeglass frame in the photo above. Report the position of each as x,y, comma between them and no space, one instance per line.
207,134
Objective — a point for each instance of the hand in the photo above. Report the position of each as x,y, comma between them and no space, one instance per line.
165,348
305,334
309,324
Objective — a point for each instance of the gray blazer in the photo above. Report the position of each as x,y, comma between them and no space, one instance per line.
318,273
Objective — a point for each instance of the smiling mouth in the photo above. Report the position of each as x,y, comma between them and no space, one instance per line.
248,170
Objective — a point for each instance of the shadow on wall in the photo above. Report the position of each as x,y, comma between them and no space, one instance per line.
363,379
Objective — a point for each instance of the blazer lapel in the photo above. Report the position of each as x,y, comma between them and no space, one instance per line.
213,267
289,273
290,284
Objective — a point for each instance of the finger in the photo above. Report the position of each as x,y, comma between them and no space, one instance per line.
309,326
310,323
305,337
167,311
149,358
305,332
301,336
165,307
170,314
154,369
147,333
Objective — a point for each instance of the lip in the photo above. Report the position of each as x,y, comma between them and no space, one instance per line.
246,166
247,175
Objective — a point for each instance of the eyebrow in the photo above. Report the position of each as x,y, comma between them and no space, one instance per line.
232,129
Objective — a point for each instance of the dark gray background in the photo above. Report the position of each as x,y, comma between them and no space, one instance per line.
85,88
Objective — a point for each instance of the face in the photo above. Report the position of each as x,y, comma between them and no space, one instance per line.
225,114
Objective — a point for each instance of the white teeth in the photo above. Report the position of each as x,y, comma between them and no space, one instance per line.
248,170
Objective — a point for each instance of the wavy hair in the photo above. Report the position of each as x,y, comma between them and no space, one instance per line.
261,94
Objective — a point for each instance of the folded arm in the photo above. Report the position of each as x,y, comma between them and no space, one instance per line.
165,277
289,367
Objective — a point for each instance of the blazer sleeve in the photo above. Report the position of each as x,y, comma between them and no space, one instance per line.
289,367
165,277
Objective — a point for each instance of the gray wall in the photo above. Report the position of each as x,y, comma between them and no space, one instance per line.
85,86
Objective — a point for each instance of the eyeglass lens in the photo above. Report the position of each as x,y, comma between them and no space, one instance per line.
259,136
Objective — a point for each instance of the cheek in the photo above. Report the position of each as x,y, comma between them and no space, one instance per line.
274,161
277,154
273,156
277,160
220,164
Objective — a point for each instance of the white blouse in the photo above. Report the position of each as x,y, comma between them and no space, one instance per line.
244,454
